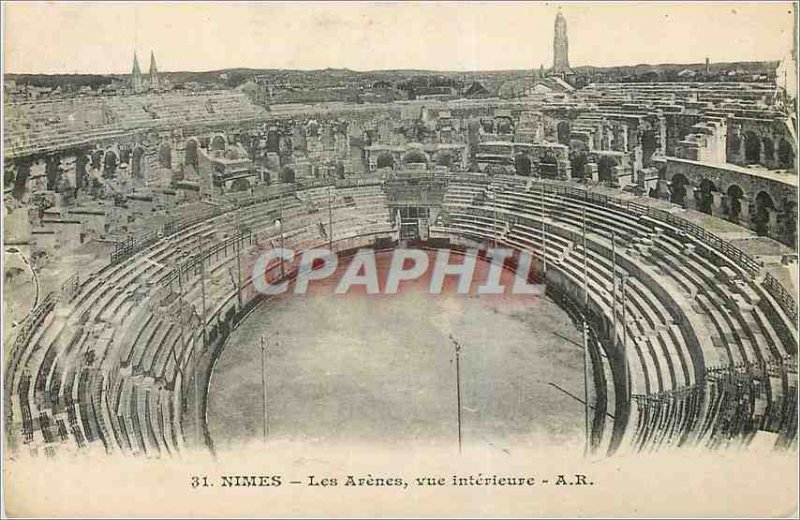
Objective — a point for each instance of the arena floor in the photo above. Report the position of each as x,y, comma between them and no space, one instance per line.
380,370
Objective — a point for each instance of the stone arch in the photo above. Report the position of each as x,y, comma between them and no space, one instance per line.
190,153
137,169
563,132
444,158
705,197
577,161
81,160
752,148
763,205
217,143
312,129
504,126
735,196
790,223
678,189
97,159
240,185
385,160
734,142
605,169
110,163
273,141
165,155
785,155
548,166
287,174
649,145
415,157
488,125
769,149
522,165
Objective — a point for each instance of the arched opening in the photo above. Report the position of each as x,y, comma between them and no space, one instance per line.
52,168
415,157
136,162
649,145
790,224
312,130
785,155
504,126
705,198
240,185
548,167
165,156
444,159
678,189
273,141
563,132
764,204
488,126
97,159
287,174
752,148
605,169
385,160
110,162
81,174
733,145
217,143
190,154
769,149
735,196
522,165
577,161
124,155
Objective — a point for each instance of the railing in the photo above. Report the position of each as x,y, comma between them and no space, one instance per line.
35,318
71,287
782,296
748,263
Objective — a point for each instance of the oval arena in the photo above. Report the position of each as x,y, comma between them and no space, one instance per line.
143,221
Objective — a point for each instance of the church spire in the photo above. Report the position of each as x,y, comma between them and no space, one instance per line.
153,71
137,82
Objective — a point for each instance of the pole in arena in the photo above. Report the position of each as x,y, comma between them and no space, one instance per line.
586,360
457,347
330,213
544,234
264,384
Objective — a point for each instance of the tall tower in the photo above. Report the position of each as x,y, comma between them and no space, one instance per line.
560,46
137,81
153,72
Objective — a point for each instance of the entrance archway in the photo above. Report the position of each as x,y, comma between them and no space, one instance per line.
563,132
785,155
385,160
735,196
678,189
110,163
522,165
764,204
190,154
752,148
705,197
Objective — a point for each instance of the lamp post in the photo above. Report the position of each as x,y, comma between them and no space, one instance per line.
457,347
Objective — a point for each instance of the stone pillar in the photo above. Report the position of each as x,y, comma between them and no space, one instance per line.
716,204
762,159
662,189
740,154
590,171
744,212
689,201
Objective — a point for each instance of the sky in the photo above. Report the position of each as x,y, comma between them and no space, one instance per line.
100,37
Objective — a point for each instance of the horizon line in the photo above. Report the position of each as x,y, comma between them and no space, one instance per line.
407,69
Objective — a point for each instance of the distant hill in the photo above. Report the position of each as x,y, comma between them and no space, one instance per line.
231,78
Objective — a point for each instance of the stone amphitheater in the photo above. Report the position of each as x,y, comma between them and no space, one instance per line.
661,215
